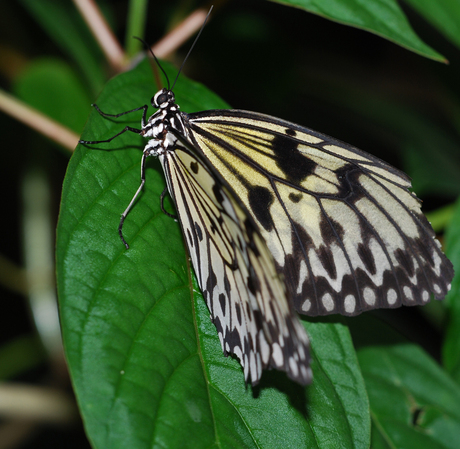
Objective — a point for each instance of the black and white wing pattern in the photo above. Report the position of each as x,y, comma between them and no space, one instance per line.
236,273
277,216
344,229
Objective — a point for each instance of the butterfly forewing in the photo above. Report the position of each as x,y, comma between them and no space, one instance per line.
344,229
236,273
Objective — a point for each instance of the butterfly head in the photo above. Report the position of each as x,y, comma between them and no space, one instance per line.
164,125
163,99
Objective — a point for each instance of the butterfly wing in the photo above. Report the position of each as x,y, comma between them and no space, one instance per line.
342,225
236,273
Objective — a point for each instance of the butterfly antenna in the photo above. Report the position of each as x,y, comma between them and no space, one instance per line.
156,59
191,48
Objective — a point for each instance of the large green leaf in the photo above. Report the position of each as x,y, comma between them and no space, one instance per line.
144,358
414,403
382,17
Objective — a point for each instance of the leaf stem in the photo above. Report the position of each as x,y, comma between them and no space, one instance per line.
38,121
102,32
180,33
137,13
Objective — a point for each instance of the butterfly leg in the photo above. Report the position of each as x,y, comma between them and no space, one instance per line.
144,114
163,194
125,213
127,128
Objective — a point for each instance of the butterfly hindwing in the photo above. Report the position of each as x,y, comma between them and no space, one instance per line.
236,273
344,229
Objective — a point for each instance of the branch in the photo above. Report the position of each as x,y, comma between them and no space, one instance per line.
180,33
101,31
38,121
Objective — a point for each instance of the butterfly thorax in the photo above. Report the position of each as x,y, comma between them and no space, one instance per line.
159,125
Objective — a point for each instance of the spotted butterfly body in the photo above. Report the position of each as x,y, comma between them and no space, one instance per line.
279,218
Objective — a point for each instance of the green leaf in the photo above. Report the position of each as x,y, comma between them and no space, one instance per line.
66,27
442,14
20,355
451,348
382,17
413,402
51,86
144,357
136,21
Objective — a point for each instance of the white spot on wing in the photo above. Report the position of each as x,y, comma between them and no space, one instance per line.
306,372
302,276
306,306
392,296
350,304
277,355
328,302
437,263
369,296
237,351
408,292
294,367
264,348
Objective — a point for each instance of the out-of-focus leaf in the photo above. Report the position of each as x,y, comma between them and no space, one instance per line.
65,26
413,402
442,14
382,17
430,153
51,86
451,349
20,355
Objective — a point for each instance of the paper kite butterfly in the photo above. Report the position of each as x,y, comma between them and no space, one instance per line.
279,218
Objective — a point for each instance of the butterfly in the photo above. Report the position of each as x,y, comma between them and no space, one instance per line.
280,219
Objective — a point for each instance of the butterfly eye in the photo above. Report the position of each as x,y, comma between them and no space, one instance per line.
161,97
